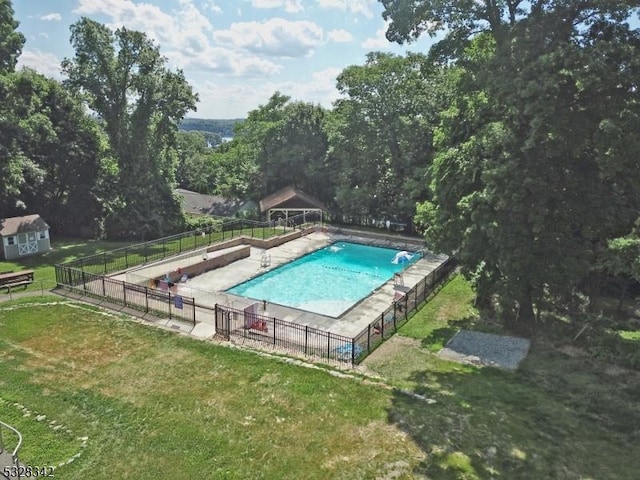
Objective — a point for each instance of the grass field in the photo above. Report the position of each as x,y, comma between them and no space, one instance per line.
152,404
561,415
63,250
67,249
157,405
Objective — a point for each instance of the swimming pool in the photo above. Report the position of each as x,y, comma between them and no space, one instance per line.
328,281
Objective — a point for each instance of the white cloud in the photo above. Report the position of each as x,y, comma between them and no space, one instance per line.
186,28
340,36
185,36
211,5
275,37
290,6
51,17
225,61
45,63
234,100
358,7
378,41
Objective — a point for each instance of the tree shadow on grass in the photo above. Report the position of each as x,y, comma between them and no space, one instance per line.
438,338
554,418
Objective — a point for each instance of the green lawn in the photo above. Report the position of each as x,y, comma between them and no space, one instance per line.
157,405
63,250
561,415
67,249
153,404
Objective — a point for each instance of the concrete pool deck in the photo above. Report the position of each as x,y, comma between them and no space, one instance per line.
209,288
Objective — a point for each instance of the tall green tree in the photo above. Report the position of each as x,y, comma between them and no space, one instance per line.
195,170
283,143
124,79
11,41
531,177
15,169
381,134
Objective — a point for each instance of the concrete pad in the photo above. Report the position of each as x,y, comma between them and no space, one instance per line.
486,349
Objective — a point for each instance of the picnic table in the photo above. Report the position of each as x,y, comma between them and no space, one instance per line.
22,278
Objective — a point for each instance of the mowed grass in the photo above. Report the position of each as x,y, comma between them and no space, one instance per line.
68,249
157,405
562,415
62,250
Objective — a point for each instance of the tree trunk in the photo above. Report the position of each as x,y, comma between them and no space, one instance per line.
623,295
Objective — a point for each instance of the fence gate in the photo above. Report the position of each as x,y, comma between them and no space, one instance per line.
223,321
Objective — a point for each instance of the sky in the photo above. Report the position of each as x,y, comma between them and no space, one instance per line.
234,53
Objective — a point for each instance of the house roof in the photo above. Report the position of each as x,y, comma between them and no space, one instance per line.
289,197
28,223
200,204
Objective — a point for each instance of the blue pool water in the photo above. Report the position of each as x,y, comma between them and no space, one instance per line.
328,281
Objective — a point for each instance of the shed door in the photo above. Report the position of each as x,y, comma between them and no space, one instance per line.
27,243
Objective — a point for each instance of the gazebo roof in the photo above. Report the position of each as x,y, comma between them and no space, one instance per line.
28,223
291,198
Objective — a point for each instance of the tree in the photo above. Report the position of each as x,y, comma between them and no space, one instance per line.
282,143
68,169
531,178
140,102
381,134
11,41
195,170
15,169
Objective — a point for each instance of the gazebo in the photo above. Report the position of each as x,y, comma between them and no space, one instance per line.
290,201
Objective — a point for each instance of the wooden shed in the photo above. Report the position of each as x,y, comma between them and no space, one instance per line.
24,236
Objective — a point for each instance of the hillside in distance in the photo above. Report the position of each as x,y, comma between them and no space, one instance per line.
223,127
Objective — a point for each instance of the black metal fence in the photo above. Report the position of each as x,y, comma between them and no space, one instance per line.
239,324
389,321
88,276
393,225
154,250
163,303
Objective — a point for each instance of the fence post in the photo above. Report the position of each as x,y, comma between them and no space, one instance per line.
104,292
306,327
382,326
124,294
145,252
104,260
353,351
126,257
84,283
169,292
406,306
146,299
194,311
328,345
395,325
274,330
179,244
424,289
369,338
